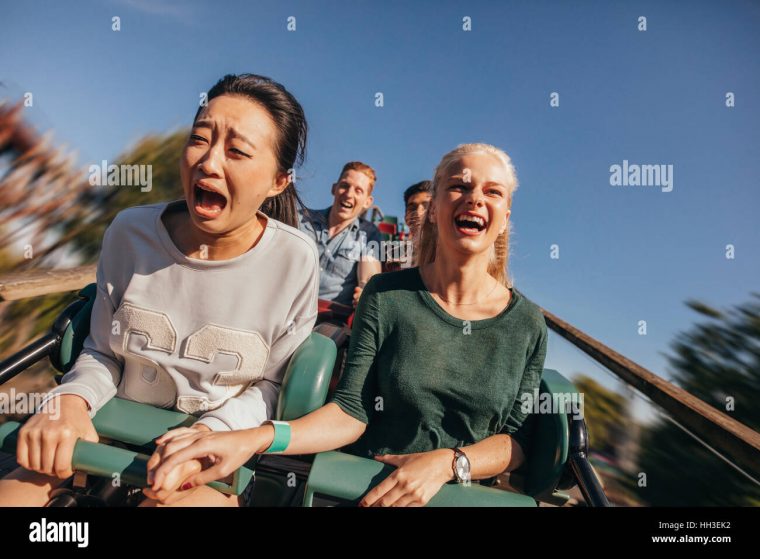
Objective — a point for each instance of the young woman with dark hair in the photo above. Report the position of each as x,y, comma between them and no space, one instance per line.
201,301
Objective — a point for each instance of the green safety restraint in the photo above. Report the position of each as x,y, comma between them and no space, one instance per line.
333,474
347,478
304,389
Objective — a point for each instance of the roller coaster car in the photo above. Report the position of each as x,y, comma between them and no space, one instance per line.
113,471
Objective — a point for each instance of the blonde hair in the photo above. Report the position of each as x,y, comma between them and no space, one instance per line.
428,237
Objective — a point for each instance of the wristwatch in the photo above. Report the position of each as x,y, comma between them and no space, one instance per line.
461,466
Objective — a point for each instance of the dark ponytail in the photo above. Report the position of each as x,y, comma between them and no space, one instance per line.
290,145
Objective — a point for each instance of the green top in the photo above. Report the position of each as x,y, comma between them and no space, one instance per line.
422,379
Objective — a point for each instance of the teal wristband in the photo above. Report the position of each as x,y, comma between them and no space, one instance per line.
281,436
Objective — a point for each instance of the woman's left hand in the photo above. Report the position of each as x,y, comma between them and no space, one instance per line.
417,478
171,493
174,483
219,452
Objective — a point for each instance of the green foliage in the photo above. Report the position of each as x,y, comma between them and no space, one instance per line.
83,236
606,414
716,360
41,311
163,152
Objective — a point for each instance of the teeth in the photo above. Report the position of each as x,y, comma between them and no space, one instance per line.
473,218
207,189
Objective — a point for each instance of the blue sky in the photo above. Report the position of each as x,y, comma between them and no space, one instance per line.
653,97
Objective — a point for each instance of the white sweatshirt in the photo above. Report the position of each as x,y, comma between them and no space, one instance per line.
210,338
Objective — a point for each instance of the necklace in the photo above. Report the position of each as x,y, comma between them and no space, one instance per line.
474,302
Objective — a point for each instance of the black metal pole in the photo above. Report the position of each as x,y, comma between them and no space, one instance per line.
24,358
584,474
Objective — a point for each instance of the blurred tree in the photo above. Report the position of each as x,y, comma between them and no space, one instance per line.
718,361
606,413
79,234
163,153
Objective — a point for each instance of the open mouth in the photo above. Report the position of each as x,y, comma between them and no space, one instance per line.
346,206
469,223
208,202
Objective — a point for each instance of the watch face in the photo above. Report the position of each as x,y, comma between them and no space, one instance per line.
463,467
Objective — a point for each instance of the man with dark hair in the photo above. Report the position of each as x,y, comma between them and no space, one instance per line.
343,238
416,201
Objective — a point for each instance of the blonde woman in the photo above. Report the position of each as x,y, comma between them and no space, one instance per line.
439,357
